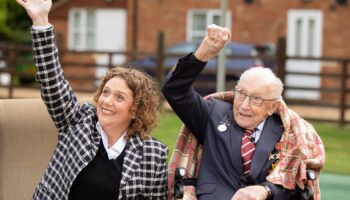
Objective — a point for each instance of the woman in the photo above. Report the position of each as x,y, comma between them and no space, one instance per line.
103,151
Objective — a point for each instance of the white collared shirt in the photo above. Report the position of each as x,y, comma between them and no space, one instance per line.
257,133
117,148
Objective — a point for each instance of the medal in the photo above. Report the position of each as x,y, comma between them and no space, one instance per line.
222,127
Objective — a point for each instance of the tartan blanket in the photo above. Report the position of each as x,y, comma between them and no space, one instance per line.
301,149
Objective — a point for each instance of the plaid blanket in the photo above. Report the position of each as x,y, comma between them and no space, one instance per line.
301,148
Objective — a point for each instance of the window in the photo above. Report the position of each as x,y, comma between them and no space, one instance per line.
82,27
304,39
102,29
198,20
90,29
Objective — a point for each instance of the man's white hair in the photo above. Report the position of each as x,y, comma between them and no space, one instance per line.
267,76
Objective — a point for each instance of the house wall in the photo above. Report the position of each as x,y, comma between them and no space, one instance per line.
60,12
169,16
263,21
59,19
337,32
259,22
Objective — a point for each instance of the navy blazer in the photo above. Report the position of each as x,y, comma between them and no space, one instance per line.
220,173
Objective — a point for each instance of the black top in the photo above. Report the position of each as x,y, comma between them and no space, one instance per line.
100,179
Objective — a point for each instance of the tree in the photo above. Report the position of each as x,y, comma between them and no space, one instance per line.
4,30
14,22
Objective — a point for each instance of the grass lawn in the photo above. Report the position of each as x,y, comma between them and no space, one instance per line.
335,138
168,130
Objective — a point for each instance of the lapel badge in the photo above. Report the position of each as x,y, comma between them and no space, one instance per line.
223,124
222,127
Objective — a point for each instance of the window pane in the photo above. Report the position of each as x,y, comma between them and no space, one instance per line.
298,37
199,22
77,20
76,40
90,41
311,33
76,29
91,20
216,19
90,29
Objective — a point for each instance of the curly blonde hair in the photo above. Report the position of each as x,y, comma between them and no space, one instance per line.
146,94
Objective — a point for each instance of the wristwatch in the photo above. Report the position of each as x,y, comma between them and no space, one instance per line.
267,187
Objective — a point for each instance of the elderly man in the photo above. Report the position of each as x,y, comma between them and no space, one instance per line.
240,142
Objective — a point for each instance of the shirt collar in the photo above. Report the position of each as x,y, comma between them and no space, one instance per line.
257,131
117,148
261,125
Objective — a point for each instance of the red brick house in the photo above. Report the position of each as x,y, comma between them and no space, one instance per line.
257,22
312,27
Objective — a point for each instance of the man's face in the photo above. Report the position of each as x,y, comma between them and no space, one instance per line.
247,115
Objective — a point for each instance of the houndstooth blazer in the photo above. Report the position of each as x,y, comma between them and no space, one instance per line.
144,174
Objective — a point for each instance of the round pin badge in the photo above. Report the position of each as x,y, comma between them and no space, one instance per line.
222,127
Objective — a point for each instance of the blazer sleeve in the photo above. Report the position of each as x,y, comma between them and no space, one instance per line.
183,99
56,92
280,192
160,187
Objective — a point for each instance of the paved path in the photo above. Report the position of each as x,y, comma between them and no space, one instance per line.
335,186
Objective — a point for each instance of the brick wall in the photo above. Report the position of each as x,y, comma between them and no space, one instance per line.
259,22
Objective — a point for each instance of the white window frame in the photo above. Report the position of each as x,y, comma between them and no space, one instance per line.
310,20
210,14
304,38
83,30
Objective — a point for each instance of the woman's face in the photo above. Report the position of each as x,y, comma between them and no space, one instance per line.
114,104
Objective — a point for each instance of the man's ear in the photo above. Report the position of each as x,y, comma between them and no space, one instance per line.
274,107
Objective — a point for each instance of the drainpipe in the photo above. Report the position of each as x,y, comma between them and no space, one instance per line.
134,28
221,70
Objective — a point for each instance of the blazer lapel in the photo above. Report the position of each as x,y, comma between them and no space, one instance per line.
270,135
132,159
236,134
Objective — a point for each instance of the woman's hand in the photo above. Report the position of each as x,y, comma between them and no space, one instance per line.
38,10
